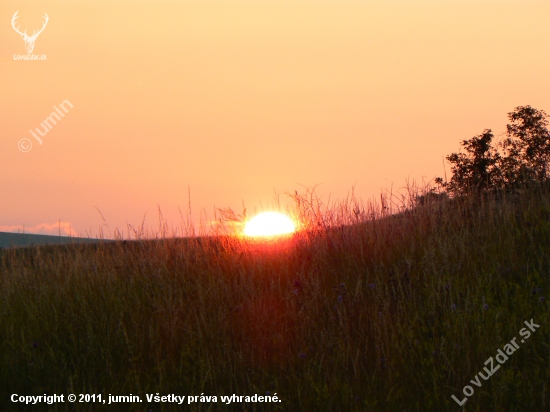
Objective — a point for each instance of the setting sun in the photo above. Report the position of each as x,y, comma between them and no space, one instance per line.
268,224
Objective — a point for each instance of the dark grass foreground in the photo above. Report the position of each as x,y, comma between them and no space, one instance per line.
397,313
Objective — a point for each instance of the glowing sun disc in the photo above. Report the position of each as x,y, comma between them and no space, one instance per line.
269,224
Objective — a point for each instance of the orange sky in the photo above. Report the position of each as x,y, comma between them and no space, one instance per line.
236,99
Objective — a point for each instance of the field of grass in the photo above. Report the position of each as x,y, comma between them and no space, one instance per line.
360,311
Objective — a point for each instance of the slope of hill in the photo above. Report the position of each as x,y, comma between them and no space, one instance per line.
403,313
23,239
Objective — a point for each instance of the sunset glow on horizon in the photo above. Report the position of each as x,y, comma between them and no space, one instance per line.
201,104
269,224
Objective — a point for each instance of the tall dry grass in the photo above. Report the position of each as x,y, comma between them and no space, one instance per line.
378,306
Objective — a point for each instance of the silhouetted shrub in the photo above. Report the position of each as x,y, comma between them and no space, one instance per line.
521,158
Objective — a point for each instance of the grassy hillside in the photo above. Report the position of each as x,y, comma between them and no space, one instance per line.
390,313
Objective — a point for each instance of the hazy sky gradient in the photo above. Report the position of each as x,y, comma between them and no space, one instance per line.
236,99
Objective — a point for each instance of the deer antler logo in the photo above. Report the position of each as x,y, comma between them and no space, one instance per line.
29,40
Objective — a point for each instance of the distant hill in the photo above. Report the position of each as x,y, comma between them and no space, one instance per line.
8,240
